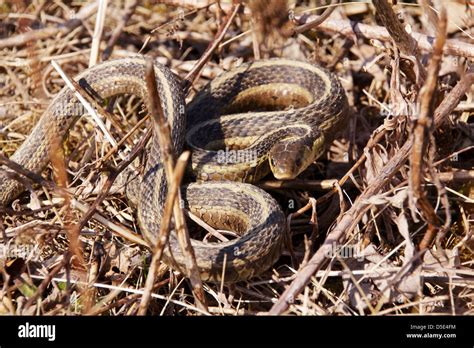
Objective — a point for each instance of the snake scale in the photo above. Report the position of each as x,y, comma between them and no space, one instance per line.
273,115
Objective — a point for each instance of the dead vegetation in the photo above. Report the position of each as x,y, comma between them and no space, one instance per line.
381,225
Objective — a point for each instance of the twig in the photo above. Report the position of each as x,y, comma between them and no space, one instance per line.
207,227
84,102
423,133
351,218
162,131
219,12
98,29
403,40
456,175
314,221
95,262
317,21
299,184
60,176
165,228
255,44
193,74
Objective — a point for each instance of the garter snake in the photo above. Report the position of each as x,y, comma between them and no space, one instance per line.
273,115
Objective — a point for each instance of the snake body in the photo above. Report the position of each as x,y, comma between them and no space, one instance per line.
297,108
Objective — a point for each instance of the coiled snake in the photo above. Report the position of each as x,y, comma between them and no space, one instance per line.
273,115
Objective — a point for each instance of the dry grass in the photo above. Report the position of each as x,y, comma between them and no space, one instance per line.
107,262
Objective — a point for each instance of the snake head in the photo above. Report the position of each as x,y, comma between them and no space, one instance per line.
290,157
